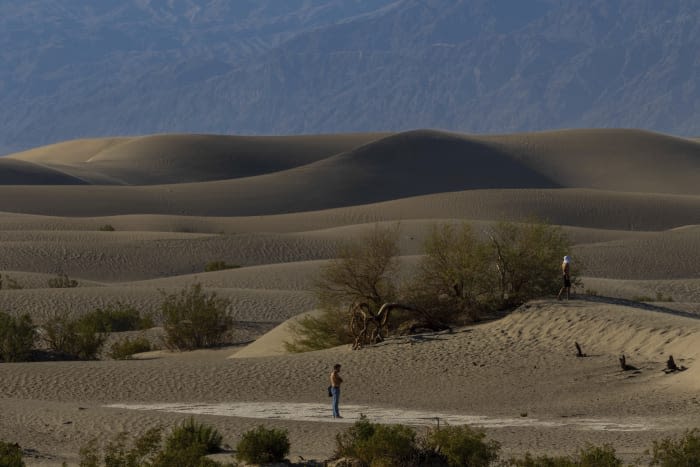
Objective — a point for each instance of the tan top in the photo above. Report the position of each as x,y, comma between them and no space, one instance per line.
565,268
336,380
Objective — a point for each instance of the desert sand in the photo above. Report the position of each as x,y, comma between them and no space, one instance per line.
279,207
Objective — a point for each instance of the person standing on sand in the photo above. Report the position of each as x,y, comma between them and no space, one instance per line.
336,381
566,274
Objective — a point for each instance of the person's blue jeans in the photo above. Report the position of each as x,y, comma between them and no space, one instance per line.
336,400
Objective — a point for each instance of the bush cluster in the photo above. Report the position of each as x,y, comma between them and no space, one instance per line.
369,444
397,445
186,446
463,277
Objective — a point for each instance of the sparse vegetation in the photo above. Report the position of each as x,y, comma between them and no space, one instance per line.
363,272
660,297
682,452
374,444
262,445
107,228
590,456
17,335
11,455
186,446
118,318
462,278
219,266
125,348
451,284
78,338
62,281
193,319
461,445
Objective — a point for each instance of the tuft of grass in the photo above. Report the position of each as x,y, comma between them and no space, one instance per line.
107,228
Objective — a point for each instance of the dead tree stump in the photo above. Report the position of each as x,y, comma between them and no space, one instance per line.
579,353
625,366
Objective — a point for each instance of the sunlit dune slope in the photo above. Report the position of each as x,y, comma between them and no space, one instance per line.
178,158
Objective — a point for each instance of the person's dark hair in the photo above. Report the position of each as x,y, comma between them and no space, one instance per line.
336,366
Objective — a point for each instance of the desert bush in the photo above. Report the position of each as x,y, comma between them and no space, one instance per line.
374,444
107,228
186,446
193,319
328,329
73,337
219,266
261,445
362,272
461,445
125,348
590,456
117,453
118,318
682,452
193,433
527,261
17,336
62,281
450,284
11,455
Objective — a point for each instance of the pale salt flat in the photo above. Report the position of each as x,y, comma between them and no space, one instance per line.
351,413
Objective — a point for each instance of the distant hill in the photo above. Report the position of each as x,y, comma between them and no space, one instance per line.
132,67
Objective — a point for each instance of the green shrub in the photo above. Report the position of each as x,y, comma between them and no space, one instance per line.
125,348
262,445
219,266
118,318
192,433
363,272
590,456
73,338
379,445
62,281
451,284
683,452
186,446
107,228
143,451
329,329
17,336
528,259
193,319
461,445
11,455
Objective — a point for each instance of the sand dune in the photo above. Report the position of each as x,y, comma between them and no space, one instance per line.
161,159
279,207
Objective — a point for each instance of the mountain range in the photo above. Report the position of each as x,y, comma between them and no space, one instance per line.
259,67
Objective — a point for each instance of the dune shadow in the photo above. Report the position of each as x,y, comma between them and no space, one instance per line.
635,304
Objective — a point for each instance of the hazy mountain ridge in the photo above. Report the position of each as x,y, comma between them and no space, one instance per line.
277,67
